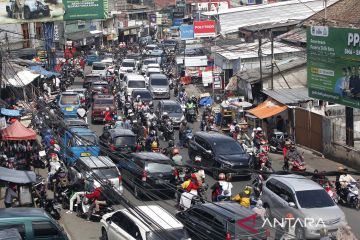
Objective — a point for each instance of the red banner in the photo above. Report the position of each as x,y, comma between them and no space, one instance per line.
204,29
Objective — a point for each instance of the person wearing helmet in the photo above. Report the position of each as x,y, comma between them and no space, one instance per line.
151,140
243,137
244,197
293,155
182,129
221,190
235,133
151,115
233,126
258,138
176,157
191,191
119,122
342,182
168,151
108,118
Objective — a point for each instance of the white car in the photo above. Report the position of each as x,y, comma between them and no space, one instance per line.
146,62
150,71
99,68
134,81
122,224
128,66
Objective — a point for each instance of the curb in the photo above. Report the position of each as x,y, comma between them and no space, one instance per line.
319,154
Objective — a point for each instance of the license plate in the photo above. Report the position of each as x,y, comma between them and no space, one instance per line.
69,109
85,154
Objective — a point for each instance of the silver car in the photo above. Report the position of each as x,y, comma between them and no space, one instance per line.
159,86
311,206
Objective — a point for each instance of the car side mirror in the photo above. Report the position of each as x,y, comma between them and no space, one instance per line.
209,152
292,204
109,220
79,176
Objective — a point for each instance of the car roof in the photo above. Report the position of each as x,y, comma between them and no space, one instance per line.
170,102
76,90
129,60
84,131
157,70
97,162
103,96
151,156
134,76
158,75
22,212
116,132
141,90
157,214
228,210
100,82
98,63
151,59
297,182
75,121
107,60
69,93
214,136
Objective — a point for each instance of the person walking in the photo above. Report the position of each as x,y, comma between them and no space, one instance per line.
10,194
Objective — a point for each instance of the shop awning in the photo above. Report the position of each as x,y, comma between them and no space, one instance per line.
10,112
17,176
43,71
22,78
18,132
94,32
267,109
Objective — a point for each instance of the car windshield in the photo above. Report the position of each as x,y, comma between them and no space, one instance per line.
128,64
159,81
84,141
106,173
92,78
103,102
149,61
228,148
136,84
125,140
143,95
180,234
98,67
314,199
158,167
172,108
69,100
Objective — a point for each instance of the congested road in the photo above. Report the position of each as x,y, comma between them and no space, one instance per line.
80,229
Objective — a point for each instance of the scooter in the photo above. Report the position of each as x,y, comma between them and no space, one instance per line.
298,166
352,197
83,206
168,132
191,115
188,136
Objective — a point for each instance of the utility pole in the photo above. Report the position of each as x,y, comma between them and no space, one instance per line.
7,44
272,61
260,59
1,71
349,122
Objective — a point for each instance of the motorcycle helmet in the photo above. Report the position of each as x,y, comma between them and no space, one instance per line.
247,190
234,122
138,98
171,143
151,104
119,118
153,133
184,122
175,151
237,129
107,109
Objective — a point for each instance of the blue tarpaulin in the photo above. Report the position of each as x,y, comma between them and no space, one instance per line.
43,71
10,112
206,101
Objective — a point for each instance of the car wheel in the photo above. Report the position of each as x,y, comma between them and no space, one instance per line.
137,193
104,234
300,233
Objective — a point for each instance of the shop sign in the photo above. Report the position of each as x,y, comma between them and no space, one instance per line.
217,82
133,31
85,9
56,33
187,32
204,29
126,32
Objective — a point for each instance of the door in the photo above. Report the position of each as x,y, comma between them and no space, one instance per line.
286,197
273,198
199,223
117,227
46,230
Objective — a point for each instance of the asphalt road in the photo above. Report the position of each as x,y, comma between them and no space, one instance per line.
79,229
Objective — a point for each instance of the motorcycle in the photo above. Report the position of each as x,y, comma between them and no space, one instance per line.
191,115
168,131
350,195
263,156
83,206
50,207
188,136
276,142
298,166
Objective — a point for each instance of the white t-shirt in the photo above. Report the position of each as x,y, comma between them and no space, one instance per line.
226,186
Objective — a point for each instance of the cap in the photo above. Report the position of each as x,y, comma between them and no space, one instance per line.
259,129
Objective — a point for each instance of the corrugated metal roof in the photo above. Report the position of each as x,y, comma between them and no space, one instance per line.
289,96
233,19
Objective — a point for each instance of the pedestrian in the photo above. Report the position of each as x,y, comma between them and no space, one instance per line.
259,209
344,233
225,187
10,194
289,230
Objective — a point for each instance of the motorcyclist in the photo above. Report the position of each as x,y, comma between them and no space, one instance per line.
191,191
286,148
176,157
151,115
224,188
169,149
243,137
293,155
195,102
108,115
244,197
182,129
233,126
96,199
258,138
206,112
149,141
182,95
137,102
344,180
54,166
189,105
119,122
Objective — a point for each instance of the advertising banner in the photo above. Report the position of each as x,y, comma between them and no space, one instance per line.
85,9
24,11
334,64
177,22
178,14
204,29
187,32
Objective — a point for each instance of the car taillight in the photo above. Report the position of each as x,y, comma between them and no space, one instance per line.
228,236
120,179
144,176
112,147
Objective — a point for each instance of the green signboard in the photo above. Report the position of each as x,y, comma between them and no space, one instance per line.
333,56
85,9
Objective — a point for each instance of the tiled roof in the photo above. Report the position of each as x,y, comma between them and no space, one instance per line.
344,13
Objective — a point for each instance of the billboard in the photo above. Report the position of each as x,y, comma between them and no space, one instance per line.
177,22
204,29
85,9
23,11
333,56
187,32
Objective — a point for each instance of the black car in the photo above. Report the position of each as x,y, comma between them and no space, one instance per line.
221,153
118,140
173,110
149,173
222,221
145,95
90,78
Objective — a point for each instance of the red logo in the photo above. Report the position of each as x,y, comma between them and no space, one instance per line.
252,220
204,28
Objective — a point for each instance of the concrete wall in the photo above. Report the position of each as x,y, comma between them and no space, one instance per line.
337,151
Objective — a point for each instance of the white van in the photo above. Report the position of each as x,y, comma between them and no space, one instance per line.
125,224
134,81
99,68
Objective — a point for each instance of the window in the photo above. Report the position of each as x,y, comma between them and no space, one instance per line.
159,81
69,100
44,229
136,84
314,199
128,64
106,173
19,227
107,102
126,224
228,147
125,140
271,185
159,168
202,143
286,193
